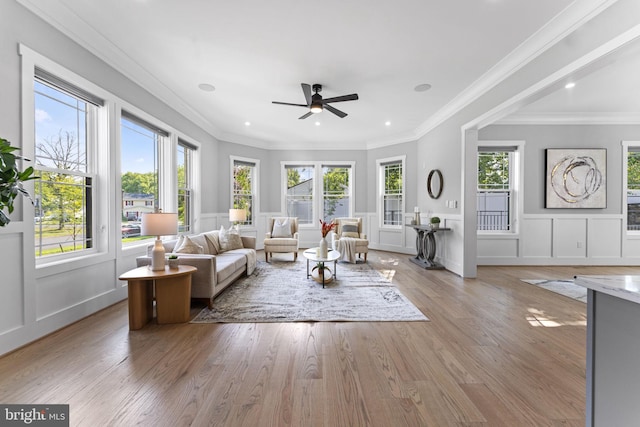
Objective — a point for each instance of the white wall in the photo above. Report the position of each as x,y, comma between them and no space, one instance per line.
564,236
452,146
37,301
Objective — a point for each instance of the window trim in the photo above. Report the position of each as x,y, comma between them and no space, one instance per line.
101,249
380,168
516,181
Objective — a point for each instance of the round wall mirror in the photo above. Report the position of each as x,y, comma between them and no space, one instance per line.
434,184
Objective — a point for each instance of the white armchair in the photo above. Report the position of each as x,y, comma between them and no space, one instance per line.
351,228
281,237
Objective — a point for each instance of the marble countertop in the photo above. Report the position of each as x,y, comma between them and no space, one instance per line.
624,287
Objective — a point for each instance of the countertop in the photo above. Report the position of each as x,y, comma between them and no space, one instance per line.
624,287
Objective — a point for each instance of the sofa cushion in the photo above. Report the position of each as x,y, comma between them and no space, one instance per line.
281,228
227,264
229,239
189,247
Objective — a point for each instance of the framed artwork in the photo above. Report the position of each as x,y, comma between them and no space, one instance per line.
576,178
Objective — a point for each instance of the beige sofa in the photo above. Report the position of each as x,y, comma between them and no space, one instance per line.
217,269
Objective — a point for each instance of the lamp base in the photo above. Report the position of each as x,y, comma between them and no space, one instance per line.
157,256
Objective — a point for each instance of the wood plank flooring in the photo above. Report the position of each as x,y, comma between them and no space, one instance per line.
497,352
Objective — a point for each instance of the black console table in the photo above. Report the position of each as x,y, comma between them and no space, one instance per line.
426,246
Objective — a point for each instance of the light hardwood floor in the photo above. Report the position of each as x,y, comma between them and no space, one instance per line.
496,352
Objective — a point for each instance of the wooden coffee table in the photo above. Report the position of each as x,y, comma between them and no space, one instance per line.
172,292
332,255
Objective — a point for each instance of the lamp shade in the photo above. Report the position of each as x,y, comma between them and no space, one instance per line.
159,224
237,215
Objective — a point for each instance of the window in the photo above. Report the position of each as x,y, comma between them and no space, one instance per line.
185,155
299,193
496,185
65,138
336,191
140,145
392,194
633,189
244,191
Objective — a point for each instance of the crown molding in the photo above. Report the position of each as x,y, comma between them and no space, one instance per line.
619,118
563,24
70,24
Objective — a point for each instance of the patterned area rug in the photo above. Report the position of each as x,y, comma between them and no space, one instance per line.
281,292
562,287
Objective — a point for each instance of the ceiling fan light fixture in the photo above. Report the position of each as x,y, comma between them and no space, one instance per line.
316,108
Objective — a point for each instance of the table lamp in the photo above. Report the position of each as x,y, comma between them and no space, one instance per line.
237,215
158,224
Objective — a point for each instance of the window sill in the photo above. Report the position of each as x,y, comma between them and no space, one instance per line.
58,266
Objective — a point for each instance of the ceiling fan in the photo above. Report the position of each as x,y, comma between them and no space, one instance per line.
316,104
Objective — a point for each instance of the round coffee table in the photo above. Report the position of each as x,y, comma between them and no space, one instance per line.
332,255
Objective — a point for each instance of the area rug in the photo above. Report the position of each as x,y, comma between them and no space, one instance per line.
281,292
563,287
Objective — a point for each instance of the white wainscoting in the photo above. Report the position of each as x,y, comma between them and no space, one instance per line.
568,239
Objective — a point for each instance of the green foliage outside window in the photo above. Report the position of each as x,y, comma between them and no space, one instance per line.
493,171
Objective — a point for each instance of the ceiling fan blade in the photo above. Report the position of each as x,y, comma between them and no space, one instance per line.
352,97
306,89
335,111
288,103
305,116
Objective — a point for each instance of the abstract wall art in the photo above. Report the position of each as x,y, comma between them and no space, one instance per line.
576,178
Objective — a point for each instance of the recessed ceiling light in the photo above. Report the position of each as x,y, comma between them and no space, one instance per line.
422,87
247,123
387,123
317,123
569,85
206,87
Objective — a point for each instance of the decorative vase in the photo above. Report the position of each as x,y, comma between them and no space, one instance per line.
173,263
324,250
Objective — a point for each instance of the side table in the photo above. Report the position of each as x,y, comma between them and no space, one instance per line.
426,246
172,292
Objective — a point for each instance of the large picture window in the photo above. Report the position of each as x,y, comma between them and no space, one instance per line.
65,138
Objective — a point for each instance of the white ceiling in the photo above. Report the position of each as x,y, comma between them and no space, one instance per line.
255,52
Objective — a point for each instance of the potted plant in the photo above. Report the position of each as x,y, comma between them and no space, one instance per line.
11,179
173,261
319,275
435,222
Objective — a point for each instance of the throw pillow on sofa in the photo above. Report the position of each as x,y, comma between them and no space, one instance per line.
229,239
281,228
189,247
